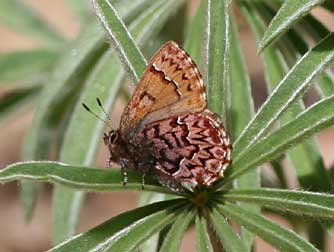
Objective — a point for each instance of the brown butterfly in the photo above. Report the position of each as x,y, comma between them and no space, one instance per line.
166,129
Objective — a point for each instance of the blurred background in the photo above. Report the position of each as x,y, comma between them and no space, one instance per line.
18,236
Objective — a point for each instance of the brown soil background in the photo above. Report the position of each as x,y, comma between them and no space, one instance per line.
18,236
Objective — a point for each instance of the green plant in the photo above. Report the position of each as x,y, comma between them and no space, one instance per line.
86,68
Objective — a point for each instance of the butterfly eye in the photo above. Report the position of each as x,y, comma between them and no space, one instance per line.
112,137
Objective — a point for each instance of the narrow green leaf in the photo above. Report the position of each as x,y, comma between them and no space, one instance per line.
175,27
290,12
217,56
11,105
242,107
82,11
77,177
172,240
134,8
122,41
28,197
274,67
281,238
203,239
289,89
104,82
70,72
277,166
195,32
316,205
26,68
121,227
149,23
312,120
314,29
145,198
16,101
329,5
228,237
325,84
130,238
241,111
54,102
18,15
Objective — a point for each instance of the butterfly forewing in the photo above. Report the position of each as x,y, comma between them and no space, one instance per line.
170,85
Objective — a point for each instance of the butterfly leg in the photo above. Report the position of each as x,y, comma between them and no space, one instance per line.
108,162
143,181
126,165
125,176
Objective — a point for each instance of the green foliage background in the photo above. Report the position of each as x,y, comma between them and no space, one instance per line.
116,41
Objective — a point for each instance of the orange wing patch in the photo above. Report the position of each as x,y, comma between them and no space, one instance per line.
170,85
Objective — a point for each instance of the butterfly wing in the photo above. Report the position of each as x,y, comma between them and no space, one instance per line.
171,84
191,148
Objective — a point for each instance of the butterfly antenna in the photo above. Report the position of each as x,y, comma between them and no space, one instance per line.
96,115
104,111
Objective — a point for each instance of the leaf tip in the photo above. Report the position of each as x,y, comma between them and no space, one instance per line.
262,44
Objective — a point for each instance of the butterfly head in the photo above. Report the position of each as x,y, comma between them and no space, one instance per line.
110,138
115,145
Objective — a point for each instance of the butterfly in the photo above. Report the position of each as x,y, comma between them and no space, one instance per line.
166,129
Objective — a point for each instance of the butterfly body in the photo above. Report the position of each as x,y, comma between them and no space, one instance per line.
166,129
